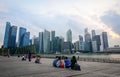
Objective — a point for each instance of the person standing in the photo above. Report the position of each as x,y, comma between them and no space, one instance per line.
29,56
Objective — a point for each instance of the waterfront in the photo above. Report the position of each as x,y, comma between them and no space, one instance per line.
92,57
14,67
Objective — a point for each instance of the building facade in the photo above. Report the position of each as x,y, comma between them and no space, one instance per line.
26,38
41,50
46,41
81,43
69,36
105,40
7,34
22,31
12,36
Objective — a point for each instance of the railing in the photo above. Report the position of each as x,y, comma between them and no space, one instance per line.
103,60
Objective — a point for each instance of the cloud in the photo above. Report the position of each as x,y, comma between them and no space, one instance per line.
112,19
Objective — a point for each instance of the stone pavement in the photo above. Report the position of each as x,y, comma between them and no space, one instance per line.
14,67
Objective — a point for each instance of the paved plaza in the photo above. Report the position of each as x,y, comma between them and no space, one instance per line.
14,67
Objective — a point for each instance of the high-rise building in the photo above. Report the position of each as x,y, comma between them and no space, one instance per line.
12,36
46,41
22,31
36,43
69,36
41,42
7,34
77,46
52,41
94,46
26,38
105,40
98,41
88,43
81,43
93,34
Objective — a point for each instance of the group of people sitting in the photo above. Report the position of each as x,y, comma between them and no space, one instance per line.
37,60
67,63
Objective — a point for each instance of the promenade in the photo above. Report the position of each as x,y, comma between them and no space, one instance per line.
14,67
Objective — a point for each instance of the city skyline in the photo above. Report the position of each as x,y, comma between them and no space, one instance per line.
62,15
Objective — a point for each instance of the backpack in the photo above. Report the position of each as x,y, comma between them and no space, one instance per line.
77,67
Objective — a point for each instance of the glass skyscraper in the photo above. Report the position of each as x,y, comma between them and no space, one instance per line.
105,40
46,41
88,43
41,42
7,34
69,36
22,31
98,41
12,37
26,38
81,43
53,41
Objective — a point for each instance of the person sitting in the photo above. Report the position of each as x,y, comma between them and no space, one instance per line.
55,61
60,63
67,62
74,64
38,60
23,58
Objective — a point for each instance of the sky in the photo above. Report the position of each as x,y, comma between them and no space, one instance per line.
62,15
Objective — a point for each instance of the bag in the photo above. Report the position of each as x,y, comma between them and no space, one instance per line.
77,67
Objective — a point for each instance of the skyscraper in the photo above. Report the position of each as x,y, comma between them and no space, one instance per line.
105,40
36,43
26,38
53,41
12,36
69,36
94,46
41,42
93,34
46,41
81,43
7,34
21,35
98,41
88,43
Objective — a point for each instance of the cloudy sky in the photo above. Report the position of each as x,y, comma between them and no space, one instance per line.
61,15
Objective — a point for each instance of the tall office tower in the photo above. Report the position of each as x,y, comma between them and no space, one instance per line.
22,31
105,40
7,34
46,41
12,37
98,41
52,41
94,46
41,42
93,34
81,43
61,43
36,43
26,38
77,46
69,36
88,43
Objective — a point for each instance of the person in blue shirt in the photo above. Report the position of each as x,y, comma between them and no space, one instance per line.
67,62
